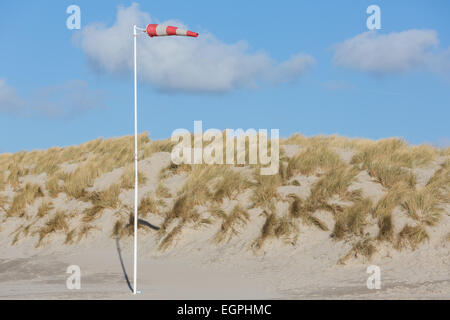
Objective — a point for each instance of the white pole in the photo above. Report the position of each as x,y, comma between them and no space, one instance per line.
135,167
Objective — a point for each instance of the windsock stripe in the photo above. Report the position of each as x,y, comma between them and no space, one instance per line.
154,30
171,31
181,32
161,30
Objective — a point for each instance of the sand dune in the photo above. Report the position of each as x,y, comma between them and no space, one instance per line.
337,206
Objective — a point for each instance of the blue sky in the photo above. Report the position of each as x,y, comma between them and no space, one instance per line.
60,87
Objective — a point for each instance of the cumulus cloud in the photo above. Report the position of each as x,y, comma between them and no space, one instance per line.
396,52
204,64
58,101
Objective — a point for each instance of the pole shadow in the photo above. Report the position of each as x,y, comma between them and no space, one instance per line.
119,252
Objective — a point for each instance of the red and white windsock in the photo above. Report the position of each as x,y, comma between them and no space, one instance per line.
157,30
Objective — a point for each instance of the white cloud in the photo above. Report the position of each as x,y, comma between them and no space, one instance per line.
396,52
59,101
204,64
9,100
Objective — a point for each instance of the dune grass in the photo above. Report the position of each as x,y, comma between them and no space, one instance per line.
387,174
424,206
162,191
53,187
311,160
231,223
73,236
352,220
388,162
128,177
147,205
175,169
411,236
265,190
44,209
305,211
2,181
385,206
230,184
275,227
57,223
362,248
156,146
336,182
24,197
15,172
108,198
395,152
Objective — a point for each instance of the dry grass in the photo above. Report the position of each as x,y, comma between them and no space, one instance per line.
56,223
25,196
108,198
385,228
127,179
196,191
83,177
311,160
231,223
388,161
265,192
392,199
156,146
424,206
147,205
395,152
175,169
170,237
84,231
53,187
324,141
385,206
411,236
335,182
162,191
439,183
364,248
230,185
2,181
352,220
279,228
305,211
121,228
388,174
3,202
15,172
44,209
105,156
184,212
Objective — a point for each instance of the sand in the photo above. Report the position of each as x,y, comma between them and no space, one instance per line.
197,268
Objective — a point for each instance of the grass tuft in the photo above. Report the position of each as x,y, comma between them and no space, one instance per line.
56,223
279,228
411,236
230,224
364,248
25,196
352,220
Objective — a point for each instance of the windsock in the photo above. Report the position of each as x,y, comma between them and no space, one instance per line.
157,30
